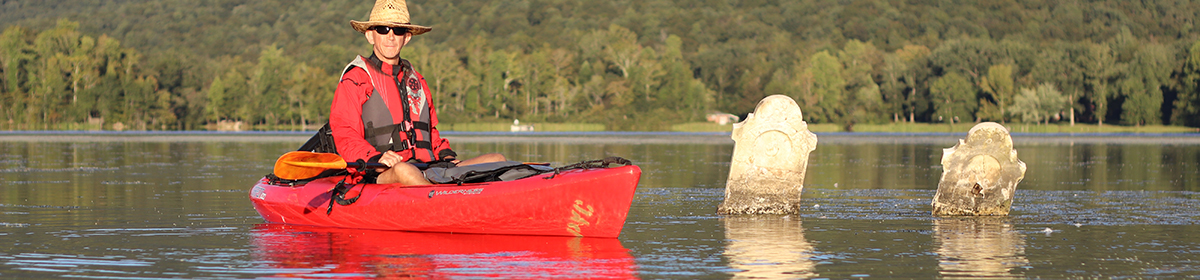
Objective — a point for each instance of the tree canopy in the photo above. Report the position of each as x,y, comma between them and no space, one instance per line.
631,65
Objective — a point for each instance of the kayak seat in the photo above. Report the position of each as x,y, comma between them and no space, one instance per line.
484,172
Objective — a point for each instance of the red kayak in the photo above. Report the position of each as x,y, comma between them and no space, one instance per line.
584,202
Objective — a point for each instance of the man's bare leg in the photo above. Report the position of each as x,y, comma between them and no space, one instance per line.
404,174
408,175
485,158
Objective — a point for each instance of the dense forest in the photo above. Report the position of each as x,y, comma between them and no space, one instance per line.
631,65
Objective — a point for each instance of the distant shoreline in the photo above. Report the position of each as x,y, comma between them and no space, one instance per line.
595,137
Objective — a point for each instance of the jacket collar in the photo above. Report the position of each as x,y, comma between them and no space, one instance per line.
378,64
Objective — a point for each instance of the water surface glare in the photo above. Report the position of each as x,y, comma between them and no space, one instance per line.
142,207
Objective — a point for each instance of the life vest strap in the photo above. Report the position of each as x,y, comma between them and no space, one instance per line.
370,131
403,146
419,125
423,144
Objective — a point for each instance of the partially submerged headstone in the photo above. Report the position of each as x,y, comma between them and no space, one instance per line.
979,175
770,155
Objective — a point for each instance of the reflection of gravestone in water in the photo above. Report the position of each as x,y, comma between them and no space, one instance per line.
979,175
766,174
978,247
768,247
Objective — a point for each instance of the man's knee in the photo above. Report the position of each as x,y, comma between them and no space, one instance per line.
493,157
403,173
485,158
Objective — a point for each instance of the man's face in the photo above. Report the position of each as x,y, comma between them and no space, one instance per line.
387,46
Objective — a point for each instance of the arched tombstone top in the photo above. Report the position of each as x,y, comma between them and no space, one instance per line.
766,173
980,174
775,112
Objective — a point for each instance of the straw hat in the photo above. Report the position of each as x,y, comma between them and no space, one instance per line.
392,13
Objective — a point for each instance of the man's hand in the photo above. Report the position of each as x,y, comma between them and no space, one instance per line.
389,159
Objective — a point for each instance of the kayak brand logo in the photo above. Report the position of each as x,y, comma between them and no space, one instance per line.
258,192
458,191
579,214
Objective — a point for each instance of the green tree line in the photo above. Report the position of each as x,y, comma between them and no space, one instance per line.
631,65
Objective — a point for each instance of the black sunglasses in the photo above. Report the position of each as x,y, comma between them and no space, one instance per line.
383,30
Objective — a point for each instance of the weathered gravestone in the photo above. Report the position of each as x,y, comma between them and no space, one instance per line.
766,174
979,175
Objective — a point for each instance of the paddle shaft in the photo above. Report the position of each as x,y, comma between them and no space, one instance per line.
419,165
374,165
298,165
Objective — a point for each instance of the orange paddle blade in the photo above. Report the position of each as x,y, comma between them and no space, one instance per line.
302,165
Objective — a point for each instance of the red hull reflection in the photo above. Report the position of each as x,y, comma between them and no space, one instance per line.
320,252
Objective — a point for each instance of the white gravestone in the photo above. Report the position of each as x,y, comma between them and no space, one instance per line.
770,155
979,175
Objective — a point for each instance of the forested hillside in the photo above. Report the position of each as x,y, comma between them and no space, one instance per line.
631,65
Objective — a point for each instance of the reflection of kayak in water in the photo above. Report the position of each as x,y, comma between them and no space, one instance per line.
584,202
324,252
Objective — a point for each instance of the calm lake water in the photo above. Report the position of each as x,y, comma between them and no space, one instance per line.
120,206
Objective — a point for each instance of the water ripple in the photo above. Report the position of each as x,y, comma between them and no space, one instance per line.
58,170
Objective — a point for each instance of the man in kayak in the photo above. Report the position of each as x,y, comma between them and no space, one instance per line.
383,110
